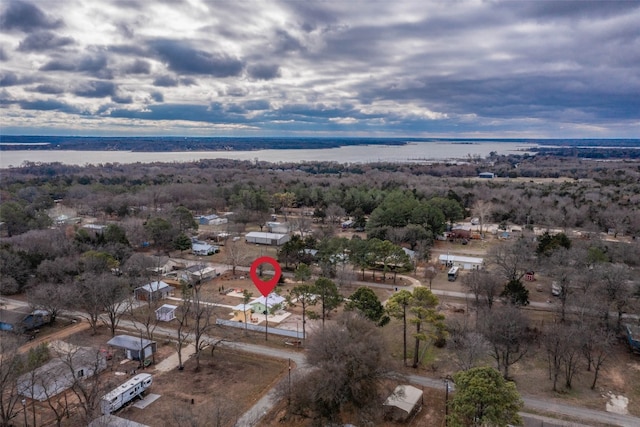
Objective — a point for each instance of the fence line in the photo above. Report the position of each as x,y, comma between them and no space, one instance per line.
260,328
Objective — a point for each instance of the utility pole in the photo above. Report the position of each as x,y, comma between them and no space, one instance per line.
24,411
446,401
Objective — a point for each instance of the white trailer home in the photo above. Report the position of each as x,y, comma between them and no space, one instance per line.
124,393
261,238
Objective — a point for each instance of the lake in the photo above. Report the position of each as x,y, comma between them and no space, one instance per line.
415,152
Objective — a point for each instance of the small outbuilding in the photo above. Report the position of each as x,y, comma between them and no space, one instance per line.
404,403
135,348
166,312
153,291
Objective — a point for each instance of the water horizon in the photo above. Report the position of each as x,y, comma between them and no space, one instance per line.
411,152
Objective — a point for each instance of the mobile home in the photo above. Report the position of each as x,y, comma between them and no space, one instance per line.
124,393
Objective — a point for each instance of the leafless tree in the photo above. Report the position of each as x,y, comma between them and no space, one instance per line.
183,314
507,331
482,209
596,347
85,371
512,260
334,213
300,224
95,294
351,349
615,288
10,369
235,254
470,346
484,285
51,297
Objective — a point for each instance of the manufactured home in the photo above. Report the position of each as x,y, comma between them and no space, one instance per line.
125,393
260,238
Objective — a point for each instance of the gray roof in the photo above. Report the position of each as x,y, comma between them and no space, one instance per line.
56,376
113,421
155,286
129,342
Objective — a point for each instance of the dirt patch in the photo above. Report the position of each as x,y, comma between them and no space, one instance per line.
226,385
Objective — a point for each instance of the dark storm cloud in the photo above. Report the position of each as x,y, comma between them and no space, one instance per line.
49,105
287,43
95,65
569,9
26,17
165,81
9,79
182,58
192,113
48,89
139,66
3,54
121,99
264,72
157,96
257,105
43,40
96,89
125,49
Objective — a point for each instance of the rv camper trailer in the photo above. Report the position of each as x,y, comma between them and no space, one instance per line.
124,393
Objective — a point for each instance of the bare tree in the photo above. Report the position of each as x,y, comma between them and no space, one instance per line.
470,346
512,260
484,285
482,209
596,347
10,369
615,288
183,313
507,331
334,213
84,366
51,297
235,254
351,349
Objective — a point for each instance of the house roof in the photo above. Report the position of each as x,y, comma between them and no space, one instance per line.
265,235
165,308
113,421
55,376
404,397
155,286
129,342
271,300
459,258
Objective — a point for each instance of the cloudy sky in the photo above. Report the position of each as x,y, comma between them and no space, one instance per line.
332,67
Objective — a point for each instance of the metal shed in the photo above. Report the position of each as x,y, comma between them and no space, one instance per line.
134,347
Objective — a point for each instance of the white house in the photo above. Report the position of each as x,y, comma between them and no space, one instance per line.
166,312
261,238
204,249
464,262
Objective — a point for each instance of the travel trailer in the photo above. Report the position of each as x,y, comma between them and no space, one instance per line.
124,393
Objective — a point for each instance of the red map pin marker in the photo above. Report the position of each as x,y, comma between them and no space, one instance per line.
265,288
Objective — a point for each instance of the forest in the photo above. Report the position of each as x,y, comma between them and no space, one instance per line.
588,209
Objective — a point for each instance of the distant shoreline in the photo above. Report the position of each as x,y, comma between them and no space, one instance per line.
222,144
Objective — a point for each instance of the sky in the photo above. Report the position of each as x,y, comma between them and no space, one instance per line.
419,68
